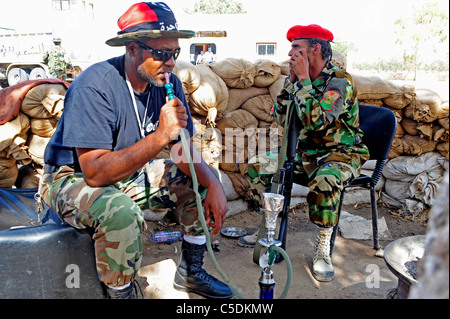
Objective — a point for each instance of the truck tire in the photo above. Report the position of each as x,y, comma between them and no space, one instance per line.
17,75
38,73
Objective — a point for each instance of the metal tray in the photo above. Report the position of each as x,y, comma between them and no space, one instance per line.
233,232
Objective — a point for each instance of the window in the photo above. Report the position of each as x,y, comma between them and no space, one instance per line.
61,5
266,49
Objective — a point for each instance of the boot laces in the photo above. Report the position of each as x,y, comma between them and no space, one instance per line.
322,245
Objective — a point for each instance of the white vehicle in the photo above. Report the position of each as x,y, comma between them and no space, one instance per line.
21,57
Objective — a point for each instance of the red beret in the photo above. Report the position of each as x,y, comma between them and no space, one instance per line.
309,31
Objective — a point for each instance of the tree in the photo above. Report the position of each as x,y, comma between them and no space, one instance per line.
217,7
425,29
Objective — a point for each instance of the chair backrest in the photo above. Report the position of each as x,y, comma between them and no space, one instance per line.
379,125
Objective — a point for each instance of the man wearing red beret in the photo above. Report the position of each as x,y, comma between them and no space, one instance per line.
329,150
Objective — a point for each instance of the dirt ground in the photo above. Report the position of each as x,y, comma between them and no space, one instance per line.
359,274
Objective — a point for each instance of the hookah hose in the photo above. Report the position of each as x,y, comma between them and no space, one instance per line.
201,217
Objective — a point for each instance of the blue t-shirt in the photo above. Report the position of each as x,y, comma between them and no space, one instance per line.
99,113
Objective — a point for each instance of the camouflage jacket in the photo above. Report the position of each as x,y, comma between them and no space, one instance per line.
57,59
329,115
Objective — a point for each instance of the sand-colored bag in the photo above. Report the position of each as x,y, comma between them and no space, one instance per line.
410,126
236,73
188,75
276,87
37,146
416,145
267,72
261,107
44,127
376,88
426,107
8,170
237,97
211,97
19,150
44,101
10,130
443,149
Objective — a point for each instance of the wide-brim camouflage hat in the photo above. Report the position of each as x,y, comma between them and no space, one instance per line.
147,20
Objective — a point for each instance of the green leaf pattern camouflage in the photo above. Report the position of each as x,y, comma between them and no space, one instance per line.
115,212
330,151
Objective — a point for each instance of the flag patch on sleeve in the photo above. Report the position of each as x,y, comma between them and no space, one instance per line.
329,99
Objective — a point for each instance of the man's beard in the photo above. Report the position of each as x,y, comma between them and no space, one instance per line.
144,75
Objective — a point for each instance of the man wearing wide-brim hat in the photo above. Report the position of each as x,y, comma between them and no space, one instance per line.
101,170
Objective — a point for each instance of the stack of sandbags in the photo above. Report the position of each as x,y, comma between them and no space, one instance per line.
24,138
422,115
411,182
426,124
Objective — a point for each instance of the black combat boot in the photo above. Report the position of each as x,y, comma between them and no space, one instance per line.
129,292
125,293
191,277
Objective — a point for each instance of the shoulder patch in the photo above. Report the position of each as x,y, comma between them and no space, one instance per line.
329,99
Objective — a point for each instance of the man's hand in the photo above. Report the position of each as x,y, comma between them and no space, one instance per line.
172,119
299,66
216,203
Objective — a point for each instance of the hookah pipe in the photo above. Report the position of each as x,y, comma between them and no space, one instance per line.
266,282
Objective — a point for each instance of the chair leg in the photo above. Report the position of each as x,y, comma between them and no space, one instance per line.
373,202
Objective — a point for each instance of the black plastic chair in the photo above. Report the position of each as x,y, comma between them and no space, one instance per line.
379,126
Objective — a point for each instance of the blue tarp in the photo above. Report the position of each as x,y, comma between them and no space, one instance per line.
18,208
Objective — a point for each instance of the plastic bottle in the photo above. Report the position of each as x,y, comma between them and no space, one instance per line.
168,237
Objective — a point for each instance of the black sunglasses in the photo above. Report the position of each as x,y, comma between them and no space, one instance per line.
161,55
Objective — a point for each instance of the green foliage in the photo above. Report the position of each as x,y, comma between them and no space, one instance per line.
217,7
343,47
426,30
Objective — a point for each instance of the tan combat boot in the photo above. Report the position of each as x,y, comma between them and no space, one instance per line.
322,266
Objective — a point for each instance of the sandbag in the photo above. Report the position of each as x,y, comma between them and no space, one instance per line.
276,87
261,107
443,149
10,130
416,145
284,65
240,184
444,122
19,150
406,168
396,148
211,97
423,188
44,127
37,146
44,101
267,72
237,97
397,189
426,107
8,171
188,75
236,73
410,126
339,59
234,160
374,87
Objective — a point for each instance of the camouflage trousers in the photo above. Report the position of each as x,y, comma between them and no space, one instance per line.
115,212
325,186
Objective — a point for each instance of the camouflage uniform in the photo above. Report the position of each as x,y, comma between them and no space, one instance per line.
115,212
57,62
330,150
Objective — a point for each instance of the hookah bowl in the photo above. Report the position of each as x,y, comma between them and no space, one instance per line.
272,204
